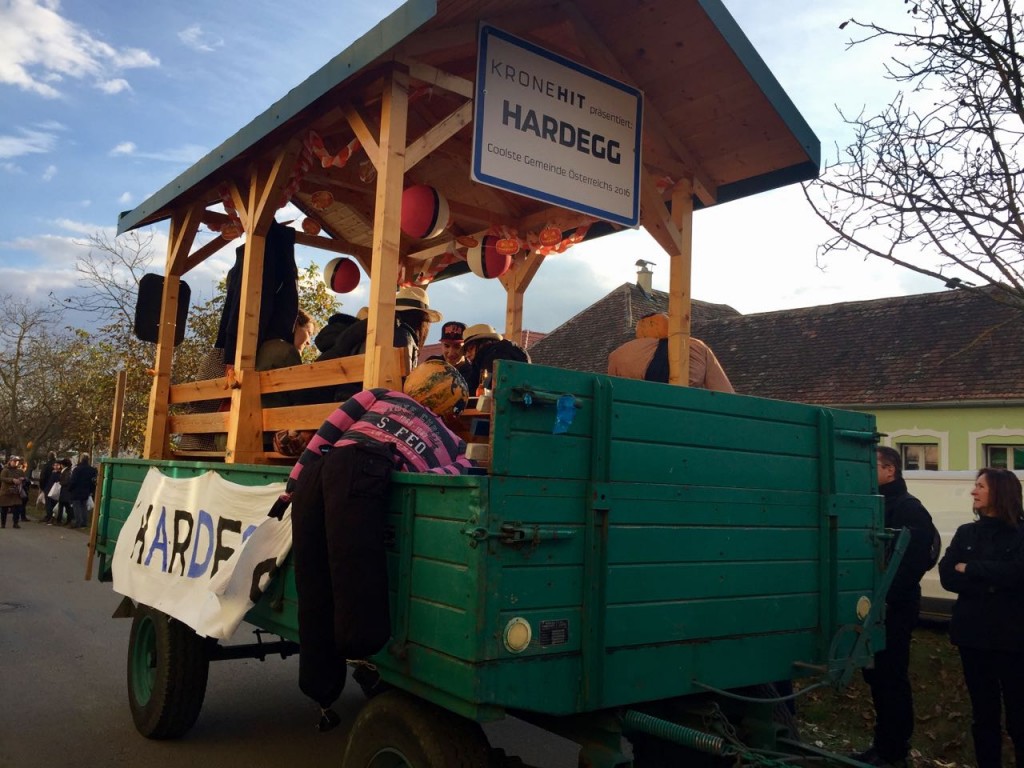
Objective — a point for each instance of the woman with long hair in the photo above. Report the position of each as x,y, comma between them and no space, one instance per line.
984,567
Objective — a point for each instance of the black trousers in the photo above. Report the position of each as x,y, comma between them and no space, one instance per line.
338,511
890,683
995,681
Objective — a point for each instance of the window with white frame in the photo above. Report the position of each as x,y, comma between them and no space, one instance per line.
920,456
1004,456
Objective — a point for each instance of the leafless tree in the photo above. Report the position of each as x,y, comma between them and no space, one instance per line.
111,270
32,411
933,183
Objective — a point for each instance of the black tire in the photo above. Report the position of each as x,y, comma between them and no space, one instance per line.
397,730
168,666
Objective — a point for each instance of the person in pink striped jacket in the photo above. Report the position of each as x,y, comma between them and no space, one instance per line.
339,491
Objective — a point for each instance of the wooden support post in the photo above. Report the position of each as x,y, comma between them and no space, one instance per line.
381,369
516,281
114,447
679,286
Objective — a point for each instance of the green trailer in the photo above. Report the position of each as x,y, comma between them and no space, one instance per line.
639,562
663,560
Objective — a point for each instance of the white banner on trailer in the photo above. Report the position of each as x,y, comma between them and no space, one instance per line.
549,128
200,549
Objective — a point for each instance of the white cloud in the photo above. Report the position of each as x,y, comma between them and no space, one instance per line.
186,154
125,198
83,227
124,148
39,47
11,168
117,85
198,40
49,173
27,141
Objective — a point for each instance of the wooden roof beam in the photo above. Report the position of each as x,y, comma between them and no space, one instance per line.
601,57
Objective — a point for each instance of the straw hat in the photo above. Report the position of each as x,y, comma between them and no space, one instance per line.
414,297
481,331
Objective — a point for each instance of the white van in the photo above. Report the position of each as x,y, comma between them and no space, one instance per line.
947,496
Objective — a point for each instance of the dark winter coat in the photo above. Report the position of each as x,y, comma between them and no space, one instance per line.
279,305
904,511
352,341
49,476
82,482
989,608
330,333
488,353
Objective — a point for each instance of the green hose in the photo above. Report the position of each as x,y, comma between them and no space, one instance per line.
678,734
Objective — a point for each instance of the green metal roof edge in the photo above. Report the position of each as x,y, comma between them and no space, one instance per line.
381,38
764,78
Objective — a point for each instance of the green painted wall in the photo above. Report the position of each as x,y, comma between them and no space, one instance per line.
962,432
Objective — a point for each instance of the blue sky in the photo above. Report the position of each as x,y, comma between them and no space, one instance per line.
103,102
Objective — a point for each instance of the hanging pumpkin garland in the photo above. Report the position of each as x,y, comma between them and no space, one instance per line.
428,271
232,228
321,200
562,245
315,144
302,166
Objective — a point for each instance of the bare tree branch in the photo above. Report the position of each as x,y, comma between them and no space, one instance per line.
933,182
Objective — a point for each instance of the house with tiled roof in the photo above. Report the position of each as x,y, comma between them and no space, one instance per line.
943,373
584,342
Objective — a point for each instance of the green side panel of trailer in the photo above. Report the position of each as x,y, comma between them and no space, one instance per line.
665,540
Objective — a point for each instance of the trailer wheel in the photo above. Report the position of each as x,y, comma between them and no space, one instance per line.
397,730
168,667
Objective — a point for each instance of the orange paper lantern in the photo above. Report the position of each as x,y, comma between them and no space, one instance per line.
321,200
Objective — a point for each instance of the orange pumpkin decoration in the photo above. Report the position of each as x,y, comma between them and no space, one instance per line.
310,226
653,326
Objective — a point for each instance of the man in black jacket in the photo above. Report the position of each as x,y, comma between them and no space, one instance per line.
889,678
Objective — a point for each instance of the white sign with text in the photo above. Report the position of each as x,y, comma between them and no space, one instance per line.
556,131
201,549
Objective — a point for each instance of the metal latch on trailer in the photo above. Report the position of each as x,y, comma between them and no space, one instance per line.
515,534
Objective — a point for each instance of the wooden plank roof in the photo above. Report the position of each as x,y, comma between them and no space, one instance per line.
713,111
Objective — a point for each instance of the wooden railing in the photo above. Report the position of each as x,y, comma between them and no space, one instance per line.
328,373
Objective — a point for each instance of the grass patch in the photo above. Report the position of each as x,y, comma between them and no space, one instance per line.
842,721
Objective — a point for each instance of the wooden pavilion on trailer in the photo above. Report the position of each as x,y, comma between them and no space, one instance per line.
396,108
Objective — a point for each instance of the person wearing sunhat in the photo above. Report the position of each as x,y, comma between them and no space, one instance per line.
483,345
413,317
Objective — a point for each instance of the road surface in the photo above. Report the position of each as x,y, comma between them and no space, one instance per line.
63,699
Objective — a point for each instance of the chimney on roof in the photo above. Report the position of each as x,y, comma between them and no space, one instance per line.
644,275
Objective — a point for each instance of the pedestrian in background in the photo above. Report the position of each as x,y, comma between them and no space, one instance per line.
64,498
82,485
889,676
11,480
984,567
26,481
48,475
